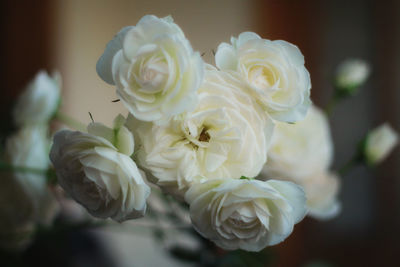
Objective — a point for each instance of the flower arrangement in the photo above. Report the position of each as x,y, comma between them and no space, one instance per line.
239,145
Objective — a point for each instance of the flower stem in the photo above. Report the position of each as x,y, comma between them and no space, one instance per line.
49,173
69,121
8,167
347,167
331,105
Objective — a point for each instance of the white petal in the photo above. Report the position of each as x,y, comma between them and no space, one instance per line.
104,64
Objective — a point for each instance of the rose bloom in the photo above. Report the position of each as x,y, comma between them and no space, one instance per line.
380,142
17,215
40,100
301,149
274,72
302,153
245,214
322,190
96,170
227,135
154,69
25,199
29,148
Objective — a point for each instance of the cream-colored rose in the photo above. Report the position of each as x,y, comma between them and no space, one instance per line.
96,170
154,69
226,136
321,190
245,214
380,142
302,153
301,149
29,148
40,100
351,74
274,71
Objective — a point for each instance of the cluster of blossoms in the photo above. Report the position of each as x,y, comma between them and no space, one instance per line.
240,143
27,151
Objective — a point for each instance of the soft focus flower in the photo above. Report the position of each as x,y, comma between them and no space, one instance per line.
302,153
274,71
154,68
25,199
245,214
321,190
227,135
351,74
17,214
301,149
96,170
29,148
40,100
380,142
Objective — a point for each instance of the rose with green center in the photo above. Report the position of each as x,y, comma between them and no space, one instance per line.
95,168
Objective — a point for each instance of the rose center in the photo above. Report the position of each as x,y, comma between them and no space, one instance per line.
153,73
261,77
204,136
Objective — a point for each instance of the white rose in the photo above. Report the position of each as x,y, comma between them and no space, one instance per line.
96,170
321,190
380,142
154,68
245,214
40,100
274,71
29,148
302,153
17,214
352,73
301,149
227,135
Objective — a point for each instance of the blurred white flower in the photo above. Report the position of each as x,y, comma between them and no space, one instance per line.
40,100
322,190
17,214
154,69
96,170
380,142
301,149
29,148
351,74
274,71
226,136
245,214
302,153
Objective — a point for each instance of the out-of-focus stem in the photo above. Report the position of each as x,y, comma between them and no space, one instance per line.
8,167
71,122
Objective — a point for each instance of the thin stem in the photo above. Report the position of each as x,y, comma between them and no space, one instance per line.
71,122
349,165
331,105
49,173
8,167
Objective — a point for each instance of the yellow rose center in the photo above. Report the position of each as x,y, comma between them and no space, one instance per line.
261,77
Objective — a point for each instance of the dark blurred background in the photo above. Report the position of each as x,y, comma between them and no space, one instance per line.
71,35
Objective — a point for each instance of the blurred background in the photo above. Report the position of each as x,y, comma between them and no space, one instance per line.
70,36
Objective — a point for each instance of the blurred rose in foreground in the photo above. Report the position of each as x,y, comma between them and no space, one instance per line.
40,100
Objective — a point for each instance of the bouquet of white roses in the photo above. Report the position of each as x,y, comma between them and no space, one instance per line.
240,143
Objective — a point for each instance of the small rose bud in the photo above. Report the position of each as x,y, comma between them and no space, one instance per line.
351,74
379,143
